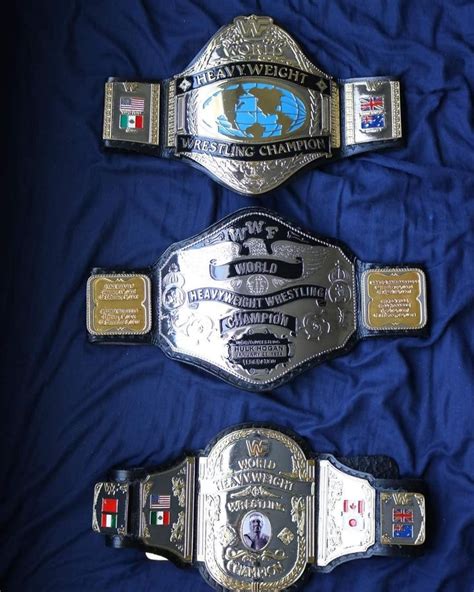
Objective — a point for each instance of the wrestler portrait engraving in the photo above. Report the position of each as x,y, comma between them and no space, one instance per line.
256,531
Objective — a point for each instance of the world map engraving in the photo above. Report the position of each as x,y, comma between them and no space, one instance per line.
254,110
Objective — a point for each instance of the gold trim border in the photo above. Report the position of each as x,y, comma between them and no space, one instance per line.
171,113
335,116
108,102
349,135
155,114
396,110
190,508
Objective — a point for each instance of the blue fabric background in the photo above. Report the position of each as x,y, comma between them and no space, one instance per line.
71,410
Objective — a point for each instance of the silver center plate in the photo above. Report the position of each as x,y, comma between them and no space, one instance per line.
254,299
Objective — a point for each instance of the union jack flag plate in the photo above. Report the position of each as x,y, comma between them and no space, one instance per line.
372,113
403,518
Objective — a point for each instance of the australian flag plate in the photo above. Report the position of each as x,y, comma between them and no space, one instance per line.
372,113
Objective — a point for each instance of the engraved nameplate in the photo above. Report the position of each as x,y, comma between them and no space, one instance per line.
394,299
255,298
118,304
256,511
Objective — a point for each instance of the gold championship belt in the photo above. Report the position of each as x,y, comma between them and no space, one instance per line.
251,110
256,510
255,300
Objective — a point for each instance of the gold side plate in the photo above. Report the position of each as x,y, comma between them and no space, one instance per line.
413,505
394,299
132,100
118,304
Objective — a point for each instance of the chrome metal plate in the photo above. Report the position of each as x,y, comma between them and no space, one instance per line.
346,514
254,299
256,511
372,110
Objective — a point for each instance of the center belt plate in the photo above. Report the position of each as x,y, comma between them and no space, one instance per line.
255,510
254,299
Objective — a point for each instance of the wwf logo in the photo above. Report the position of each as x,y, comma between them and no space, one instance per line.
257,447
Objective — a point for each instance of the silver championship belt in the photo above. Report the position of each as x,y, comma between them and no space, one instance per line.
255,300
256,510
251,110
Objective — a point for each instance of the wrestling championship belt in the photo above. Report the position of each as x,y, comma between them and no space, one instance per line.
251,110
256,511
255,300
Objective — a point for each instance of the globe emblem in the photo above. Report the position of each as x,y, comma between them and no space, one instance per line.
257,284
255,111
339,291
173,297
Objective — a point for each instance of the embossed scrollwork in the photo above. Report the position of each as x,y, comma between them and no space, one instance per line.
177,529
252,557
227,534
286,536
213,509
298,509
179,489
340,290
315,324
